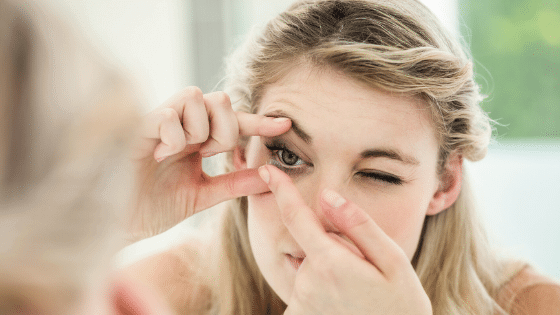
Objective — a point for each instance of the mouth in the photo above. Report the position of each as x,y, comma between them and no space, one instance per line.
295,260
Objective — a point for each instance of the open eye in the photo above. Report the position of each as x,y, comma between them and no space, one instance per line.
288,157
285,159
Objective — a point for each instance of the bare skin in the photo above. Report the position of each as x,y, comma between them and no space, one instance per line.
171,183
180,275
354,250
172,187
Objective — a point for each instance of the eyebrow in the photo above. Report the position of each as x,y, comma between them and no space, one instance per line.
390,154
371,153
295,125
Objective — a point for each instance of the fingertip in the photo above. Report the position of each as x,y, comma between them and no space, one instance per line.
332,198
276,180
162,151
281,120
264,174
331,203
274,126
284,122
275,175
260,125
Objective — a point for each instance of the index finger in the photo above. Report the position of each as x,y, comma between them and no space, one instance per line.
259,125
376,246
300,220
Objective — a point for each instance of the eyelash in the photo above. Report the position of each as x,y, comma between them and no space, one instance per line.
390,179
276,147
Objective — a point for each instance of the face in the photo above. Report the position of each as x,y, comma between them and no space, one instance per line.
375,148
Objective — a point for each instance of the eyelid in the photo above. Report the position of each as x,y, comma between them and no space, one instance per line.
280,144
275,145
386,178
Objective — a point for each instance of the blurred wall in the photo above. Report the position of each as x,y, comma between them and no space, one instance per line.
517,186
148,37
169,44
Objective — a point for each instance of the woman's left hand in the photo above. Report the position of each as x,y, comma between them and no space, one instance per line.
373,277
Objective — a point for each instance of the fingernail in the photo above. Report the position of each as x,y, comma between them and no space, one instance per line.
280,120
207,154
333,199
265,175
161,159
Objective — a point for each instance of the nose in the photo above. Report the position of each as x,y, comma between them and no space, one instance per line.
311,193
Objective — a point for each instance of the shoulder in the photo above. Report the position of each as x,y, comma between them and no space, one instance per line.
180,274
530,293
538,299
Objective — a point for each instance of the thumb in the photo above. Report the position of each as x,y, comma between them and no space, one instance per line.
231,185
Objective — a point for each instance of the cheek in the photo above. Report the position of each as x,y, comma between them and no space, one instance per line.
264,222
269,242
400,217
263,209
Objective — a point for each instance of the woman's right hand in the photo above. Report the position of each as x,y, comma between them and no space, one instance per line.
175,137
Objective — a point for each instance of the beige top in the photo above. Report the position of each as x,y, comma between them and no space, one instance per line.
530,293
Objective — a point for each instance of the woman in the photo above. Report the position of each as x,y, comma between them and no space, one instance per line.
358,115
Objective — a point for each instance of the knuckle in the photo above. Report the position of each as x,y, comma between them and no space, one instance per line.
177,145
230,185
399,260
222,98
399,257
231,145
228,141
192,92
168,115
197,136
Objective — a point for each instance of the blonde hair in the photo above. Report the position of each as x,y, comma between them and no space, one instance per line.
396,46
67,121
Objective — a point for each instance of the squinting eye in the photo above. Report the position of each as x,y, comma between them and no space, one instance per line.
287,157
382,177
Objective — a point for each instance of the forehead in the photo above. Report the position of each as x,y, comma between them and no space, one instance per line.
333,107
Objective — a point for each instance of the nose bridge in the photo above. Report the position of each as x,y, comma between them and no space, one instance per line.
322,179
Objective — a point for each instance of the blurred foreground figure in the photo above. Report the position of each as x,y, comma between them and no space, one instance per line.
66,122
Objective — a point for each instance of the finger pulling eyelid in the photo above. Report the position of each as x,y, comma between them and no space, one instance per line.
295,125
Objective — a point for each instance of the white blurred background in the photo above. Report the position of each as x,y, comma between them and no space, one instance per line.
169,44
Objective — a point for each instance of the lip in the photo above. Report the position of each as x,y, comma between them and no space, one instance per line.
295,260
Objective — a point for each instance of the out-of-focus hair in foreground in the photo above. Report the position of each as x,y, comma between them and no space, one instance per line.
66,121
